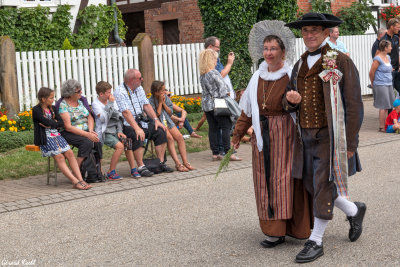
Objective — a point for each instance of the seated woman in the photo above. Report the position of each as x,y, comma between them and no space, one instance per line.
47,120
164,107
78,120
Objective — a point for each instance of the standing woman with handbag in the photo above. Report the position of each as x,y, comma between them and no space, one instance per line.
214,87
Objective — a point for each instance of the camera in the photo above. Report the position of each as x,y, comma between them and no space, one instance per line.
142,117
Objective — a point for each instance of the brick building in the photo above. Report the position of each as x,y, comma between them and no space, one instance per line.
336,5
166,21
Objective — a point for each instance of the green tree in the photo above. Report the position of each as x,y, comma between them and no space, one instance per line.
357,18
96,24
321,6
278,10
231,22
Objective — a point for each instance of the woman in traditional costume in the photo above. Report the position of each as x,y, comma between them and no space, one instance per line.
282,202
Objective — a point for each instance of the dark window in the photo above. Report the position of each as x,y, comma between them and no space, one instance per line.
135,23
170,31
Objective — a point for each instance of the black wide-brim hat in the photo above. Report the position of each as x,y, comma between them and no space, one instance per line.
315,19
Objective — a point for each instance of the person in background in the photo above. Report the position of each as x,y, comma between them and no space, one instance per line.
186,124
375,46
109,128
380,76
214,43
392,123
164,109
78,120
47,120
334,43
213,86
140,120
393,27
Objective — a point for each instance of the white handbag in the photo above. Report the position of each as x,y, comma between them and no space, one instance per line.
220,107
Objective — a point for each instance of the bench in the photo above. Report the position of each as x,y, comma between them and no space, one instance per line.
49,174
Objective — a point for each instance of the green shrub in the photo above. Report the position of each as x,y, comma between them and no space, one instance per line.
231,22
357,18
67,45
11,140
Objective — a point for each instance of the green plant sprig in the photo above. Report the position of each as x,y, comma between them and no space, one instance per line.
225,162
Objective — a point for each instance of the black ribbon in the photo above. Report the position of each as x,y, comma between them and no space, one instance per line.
267,160
316,52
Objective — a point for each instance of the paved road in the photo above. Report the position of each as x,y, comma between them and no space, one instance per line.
201,222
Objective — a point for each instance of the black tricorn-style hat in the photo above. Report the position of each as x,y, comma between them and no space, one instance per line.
315,19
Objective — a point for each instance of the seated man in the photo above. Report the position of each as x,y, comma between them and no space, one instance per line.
140,121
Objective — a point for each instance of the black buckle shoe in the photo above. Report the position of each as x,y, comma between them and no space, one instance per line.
310,252
165,168
356,221
269,244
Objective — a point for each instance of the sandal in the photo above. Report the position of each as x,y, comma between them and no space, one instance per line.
188,166
234,157
180,168
216,157
80,186
382,130
88,186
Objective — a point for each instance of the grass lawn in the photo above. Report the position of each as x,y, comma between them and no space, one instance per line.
18,163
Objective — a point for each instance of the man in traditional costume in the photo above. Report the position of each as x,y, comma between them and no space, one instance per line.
325,93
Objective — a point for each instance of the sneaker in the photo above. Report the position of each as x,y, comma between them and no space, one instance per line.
112,175
144,172
135,173
165,168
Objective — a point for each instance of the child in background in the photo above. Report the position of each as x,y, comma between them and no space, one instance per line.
46,120
109,128
392,123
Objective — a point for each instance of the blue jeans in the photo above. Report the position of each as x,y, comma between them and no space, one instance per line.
186,123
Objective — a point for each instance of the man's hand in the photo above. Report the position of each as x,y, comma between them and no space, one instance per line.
140,135
231,58
121,135
293,97
157,124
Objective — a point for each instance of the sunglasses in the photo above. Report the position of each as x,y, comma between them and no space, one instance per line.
79,91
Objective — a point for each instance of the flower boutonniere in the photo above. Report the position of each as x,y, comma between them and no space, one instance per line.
329,60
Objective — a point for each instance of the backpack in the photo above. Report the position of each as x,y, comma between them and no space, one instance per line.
91,168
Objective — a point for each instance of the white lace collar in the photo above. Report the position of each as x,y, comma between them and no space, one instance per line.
273,76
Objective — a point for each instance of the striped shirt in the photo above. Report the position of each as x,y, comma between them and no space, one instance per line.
135,106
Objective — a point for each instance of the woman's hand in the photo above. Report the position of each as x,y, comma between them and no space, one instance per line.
293,97
235,145
161,98
92,136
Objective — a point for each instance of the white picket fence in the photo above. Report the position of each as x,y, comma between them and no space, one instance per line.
88,66
177,65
